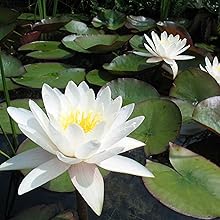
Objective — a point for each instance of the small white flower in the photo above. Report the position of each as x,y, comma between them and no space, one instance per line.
166,48
78,134
213,69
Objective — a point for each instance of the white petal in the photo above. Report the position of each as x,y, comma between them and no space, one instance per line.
125,165
26,160
113,137
89,182
51,101
154,59
83,87
202,68
143,54
86,150
42,174
72,93
174,68
184,57
207,62
69,160
154,53
183,49
215,61
97,132
104,96
128,144
114,107
20,115
150,42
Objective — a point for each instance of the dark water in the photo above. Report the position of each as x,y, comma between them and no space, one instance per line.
126,198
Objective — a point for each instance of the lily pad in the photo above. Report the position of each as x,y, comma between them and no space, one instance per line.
78,27
109,18
137,43
191,189
131,90
12,66
8,16
130,63
29,17
99,77
194,85
99,43
63,182
207,113
161,125
55,74
4,118
41,45
5,30
140,23
10,84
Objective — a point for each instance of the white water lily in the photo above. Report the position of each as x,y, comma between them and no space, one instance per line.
166,48
78,134
212,68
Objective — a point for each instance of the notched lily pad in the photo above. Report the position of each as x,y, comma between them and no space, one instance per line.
194,85
54,74
161,125
191,189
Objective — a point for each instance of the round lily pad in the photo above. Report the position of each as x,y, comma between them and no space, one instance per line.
63,182
41,45
207,113
161,125
99,77
194,85
191,189
129,64
55,74
131,90
4,117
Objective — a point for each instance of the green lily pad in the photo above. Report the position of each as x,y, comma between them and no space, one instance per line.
111,19
41,45
161,125
191,189
12,66
10,84
137,43
99,43
29,17
140,23
5,30
4,118
207,113
55,74
131,90
8,15
129,64
78,27
194,85
99,77
63,182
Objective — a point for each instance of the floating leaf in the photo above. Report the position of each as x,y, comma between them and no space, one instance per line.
29,17
8,16
4,118
54,74
12,66
194,85
78,27
5,30
41,45
137,43
127,63
161,125
140,23
131,90
207,113
10,85
191,189
99,77
112,19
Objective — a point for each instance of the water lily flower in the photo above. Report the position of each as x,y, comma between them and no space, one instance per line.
212,68
166,48
78,133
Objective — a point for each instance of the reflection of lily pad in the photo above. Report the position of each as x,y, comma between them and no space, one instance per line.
54,74
8,16
127,63
194,85
131,90
192,188
4,118
161,125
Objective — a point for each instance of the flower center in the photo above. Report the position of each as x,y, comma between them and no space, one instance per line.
86,120
217,68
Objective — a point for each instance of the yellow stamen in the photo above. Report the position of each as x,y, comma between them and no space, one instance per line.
86,120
